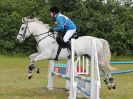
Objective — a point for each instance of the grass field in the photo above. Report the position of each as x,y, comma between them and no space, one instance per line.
15,85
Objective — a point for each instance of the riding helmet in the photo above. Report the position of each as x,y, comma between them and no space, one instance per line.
54,9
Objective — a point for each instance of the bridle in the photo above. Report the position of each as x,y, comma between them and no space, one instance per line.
23,35
51,34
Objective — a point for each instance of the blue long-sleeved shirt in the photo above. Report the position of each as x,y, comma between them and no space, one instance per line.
63,23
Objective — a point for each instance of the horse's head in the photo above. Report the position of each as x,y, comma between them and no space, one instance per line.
24,31
34,27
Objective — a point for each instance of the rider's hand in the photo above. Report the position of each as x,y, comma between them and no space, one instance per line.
51,30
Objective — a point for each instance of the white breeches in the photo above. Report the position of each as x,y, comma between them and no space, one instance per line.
68,34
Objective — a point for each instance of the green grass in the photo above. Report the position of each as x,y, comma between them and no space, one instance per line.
14,83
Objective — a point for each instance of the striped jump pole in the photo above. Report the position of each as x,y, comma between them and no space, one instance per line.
60,75
83,91
86,79
68,78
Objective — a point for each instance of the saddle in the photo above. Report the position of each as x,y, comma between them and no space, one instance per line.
62,44
60,41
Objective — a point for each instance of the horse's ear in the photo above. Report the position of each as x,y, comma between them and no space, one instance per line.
23,20
29,17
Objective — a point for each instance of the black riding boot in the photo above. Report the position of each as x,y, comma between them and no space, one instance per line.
68,43
58,52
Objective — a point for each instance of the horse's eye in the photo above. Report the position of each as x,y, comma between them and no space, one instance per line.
22,28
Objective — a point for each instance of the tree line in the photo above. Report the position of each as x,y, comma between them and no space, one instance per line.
110,21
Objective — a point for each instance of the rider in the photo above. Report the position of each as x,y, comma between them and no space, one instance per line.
63,24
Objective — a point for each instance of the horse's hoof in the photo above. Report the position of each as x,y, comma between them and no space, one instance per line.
105,81
29,77
111,79
109,88
37,70
114,87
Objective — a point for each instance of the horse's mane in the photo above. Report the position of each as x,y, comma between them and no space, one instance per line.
26,19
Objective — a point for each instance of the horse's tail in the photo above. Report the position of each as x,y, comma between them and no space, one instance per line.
106,54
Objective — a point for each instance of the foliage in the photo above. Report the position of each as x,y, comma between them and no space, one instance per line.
110,21
11,13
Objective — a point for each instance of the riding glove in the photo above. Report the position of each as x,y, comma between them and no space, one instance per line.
51,30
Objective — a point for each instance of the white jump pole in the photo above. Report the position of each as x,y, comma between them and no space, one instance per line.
68,74
73,84
50,77
95,76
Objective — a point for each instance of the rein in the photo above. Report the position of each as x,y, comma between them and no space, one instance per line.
51,35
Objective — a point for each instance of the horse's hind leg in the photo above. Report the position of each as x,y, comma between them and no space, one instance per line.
105,63
103,69
111,79
107,75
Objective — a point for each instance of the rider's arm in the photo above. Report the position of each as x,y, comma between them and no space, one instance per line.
60,27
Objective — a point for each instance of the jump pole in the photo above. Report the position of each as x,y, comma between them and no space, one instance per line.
121,62
122,72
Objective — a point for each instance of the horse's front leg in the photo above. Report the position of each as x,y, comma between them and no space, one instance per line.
32,66
37,56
